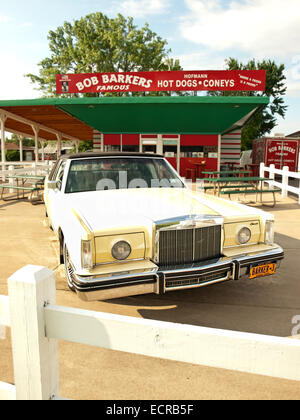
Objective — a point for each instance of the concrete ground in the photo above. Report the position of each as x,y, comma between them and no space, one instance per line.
264,306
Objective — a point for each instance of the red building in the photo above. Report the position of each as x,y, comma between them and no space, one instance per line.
184,152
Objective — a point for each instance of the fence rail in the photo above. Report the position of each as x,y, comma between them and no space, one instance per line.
284,184
28,168
37,324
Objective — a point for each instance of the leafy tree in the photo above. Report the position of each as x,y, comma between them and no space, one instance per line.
26,141
83,146
96,43
263,121
11,156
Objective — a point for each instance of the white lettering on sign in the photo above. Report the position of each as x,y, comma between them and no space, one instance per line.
165,83
218,83
126,79
116,88
285,148
195,76
87,83
186,83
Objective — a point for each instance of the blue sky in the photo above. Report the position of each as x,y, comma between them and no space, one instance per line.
201,33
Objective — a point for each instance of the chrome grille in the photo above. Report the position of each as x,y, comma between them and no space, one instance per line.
193,280
181,246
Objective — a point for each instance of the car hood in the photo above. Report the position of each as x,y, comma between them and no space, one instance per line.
109,210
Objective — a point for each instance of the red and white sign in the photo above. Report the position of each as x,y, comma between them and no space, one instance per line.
154,81
282,152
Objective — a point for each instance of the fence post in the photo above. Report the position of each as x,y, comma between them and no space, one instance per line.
33,165
11,181
285,181
272,174
262,170
35,356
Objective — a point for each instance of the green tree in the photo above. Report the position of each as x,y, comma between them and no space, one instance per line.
11,156
265,120
26,141
96,43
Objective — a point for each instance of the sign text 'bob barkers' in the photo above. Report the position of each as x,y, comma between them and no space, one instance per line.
154,81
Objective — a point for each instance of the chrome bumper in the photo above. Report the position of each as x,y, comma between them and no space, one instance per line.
164,279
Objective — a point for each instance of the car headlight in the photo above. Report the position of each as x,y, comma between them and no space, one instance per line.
121,250
244,235
269,232
86,255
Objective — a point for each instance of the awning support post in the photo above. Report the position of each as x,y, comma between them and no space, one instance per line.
2,126
43,150
160,144
59,138
21,138
36,129
219,152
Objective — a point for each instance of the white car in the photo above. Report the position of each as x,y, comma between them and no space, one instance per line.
127,224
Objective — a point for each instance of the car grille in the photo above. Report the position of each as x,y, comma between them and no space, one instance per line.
194,280
181,246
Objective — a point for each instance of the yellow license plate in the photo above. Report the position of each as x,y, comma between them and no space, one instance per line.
262,270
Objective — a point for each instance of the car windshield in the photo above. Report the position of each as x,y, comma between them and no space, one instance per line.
110,173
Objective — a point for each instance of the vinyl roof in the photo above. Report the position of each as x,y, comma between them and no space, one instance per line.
110,154
78,117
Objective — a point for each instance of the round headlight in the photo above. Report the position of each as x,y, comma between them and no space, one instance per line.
244,235
121,250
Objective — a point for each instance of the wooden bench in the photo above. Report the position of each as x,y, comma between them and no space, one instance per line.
254,191
32,190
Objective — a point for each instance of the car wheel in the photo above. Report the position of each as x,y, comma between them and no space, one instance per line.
68,267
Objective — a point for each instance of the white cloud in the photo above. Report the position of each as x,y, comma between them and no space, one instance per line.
203,60
260,27
4,19
26,25
142,8
13,84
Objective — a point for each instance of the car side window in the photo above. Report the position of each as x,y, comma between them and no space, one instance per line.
60,175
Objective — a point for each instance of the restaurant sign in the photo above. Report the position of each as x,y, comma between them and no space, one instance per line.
154,81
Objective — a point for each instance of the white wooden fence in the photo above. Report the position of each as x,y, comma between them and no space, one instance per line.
284,184
37,323
31,168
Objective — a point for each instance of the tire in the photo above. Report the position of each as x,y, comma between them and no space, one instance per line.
68,268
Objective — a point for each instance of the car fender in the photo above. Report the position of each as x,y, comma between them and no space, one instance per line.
71,232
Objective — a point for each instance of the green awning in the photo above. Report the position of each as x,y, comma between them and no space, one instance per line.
163,115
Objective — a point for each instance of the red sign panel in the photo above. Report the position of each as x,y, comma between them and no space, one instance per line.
282,153
154,81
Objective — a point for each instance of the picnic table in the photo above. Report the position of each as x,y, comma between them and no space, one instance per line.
35,187
241,185
213,174
231,165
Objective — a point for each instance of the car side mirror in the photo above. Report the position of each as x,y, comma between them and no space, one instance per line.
52,185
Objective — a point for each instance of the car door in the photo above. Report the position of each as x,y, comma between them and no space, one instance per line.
55,196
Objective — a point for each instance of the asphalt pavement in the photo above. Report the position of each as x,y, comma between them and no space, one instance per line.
265,306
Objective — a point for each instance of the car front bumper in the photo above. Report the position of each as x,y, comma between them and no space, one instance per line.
160,280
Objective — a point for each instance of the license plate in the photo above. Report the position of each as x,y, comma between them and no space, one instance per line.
262,270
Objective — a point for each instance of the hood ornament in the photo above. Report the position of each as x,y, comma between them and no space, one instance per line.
189,222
